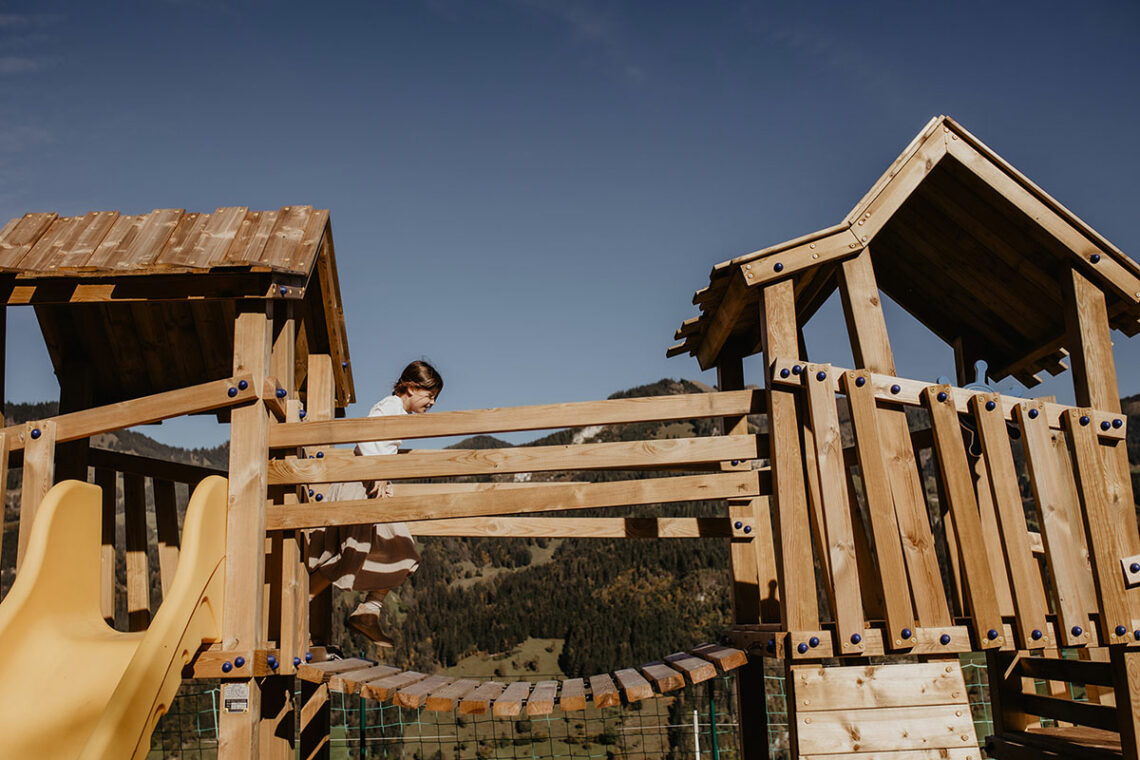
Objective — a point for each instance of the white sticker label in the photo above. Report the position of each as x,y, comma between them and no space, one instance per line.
235,697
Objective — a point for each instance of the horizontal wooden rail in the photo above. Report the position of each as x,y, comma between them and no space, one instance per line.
141,411
577,527
465,462
512,419
1081,713
1076,671
150,467
910,394
728,485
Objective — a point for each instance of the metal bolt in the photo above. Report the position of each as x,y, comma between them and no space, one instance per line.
812,245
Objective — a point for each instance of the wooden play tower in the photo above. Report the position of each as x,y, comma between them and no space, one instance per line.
880,527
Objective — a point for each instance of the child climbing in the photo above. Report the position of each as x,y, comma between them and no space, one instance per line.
373,558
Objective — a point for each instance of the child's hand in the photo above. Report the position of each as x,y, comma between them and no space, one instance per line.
378,489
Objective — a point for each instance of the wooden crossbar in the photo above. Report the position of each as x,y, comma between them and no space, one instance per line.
513,501
577,527
150,467
141,411
466,462
512,419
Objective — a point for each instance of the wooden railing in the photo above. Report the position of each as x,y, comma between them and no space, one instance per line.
955,569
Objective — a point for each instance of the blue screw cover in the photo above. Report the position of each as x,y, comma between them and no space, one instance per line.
942,396
302,414
1118,423
821,376
282,393
797,369
227,666
35,433
1121,630
239,661
747,528
990,406
320,455
296,661
991,634
738,525
243,384
1036,634
1095,258
895,388
319,496
272,662
310,492
814,641
779,267
906,633
1033,414
308,656
1105,425
860,382
283,290
944,638
802,648
232,391
856,638
1084,419
785,372
1077,630
1135,567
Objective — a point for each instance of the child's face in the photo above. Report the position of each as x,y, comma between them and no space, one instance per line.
418,400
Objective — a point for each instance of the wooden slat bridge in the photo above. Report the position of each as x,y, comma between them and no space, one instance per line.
506,699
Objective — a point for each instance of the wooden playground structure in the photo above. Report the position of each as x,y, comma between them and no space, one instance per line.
880,527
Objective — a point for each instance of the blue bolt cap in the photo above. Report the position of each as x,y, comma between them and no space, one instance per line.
283,290
1033,414
990,406
1118,423
860,382
1135,567
944,638
1084,419
895,388
735,462
344,365
302,414
320,455
1095,258
779,267
991,634
239,661
308,656
796,369
738,525
282,393
821,376
1036,634
272,661
747,528
785,372
232,391
814,641
856,638
1136,635
243,384
227,666
310,492
1121,630
296,661
802,648
942,396
1077,630
907,633
319,496
35,433
771,645
1105,425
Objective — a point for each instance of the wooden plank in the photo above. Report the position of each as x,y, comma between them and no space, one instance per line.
383,688
1062,669
480,700
445,699
864,687
145,410
797,587
541,700
663,677
149,241
619,455
784,261
38,475
217,236
1126,669
862,309
286,236
509,703
250,239
824,416
512,419
907,754
520,500
150,467
1028,590
573,696
880,507
20,235
1081,713
52,240
106,480
416,695
604,693
910,394
963,505
81,243
899,728
1100,524
983,492
1061,523
322,672
719,324
349,681
633,686
726,658
695,668
138,565
576,527
243,616
113,244
179,248
166,523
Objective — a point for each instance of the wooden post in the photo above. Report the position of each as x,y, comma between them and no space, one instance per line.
76,393
138,564
871,349
39,471
238,735
284,604
107,480
800,610
1126,676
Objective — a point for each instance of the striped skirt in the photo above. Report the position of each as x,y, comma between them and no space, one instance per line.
361,557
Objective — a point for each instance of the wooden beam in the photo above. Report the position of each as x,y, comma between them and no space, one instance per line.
42,290
38,476
512,419
778,265
320,400
514,501
159,469
142,411
720,324
138,564
577,527
106,480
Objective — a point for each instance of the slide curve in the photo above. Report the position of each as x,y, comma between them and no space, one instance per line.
70,685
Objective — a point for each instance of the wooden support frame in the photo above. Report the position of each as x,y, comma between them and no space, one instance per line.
38,476
584,527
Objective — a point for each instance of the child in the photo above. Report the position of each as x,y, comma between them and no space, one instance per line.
373,558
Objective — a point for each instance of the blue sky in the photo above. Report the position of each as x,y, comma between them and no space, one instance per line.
527,192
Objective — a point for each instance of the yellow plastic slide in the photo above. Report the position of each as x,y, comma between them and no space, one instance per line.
71,686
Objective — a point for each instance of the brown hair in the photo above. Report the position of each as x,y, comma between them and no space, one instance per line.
418,374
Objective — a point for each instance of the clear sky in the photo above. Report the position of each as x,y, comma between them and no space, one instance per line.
527,192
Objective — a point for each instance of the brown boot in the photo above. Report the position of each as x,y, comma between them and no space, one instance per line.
366,619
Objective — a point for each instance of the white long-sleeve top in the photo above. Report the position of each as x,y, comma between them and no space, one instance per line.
389,405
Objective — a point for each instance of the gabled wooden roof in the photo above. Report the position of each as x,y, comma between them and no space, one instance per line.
148,300
960,239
